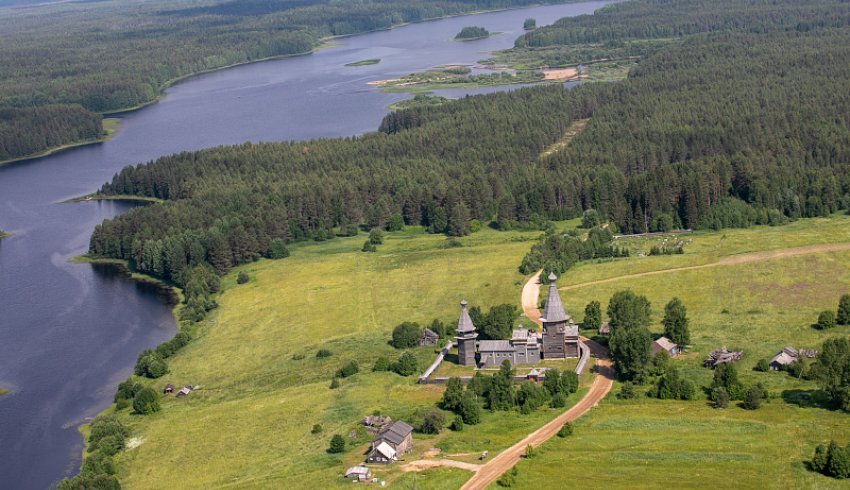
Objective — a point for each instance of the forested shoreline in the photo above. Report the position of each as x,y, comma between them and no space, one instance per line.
724,129
60,68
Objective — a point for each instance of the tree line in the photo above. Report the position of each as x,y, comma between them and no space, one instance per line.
726,130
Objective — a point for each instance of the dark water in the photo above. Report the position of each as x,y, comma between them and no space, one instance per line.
69,333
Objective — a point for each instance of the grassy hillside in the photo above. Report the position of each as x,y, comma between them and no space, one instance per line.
757,306
250,423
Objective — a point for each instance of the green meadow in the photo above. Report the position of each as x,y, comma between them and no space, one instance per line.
758,307
262,388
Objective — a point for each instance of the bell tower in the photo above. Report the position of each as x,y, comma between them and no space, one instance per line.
466,336
554,323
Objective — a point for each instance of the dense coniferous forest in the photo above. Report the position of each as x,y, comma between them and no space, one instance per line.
725,129
82,58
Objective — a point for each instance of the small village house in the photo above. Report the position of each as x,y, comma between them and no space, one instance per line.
789,355
393,441
664,344
605,329
429,338
359,473
169,388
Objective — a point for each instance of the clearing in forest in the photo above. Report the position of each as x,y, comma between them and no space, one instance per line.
572,131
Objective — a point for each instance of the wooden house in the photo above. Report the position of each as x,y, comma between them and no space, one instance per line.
359,473
605,329
429,338
664,344
184,391
169,388
393,441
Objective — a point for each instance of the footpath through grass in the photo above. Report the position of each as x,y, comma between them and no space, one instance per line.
262,388
758,307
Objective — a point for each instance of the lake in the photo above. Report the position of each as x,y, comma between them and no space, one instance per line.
69,333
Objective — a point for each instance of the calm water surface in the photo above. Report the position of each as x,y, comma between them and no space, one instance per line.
69,333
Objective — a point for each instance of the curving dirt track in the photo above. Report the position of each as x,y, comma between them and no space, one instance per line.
490,471
725,261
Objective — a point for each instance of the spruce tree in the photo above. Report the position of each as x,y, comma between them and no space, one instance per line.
843,316
592,315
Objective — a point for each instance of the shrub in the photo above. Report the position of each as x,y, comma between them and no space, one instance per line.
146,402
820,459
322,353
627,391
558,401
453,395
432,422
349,369
762,365
317,429
369,247
754,397
106,427
382,364
470,408
719,397
150,365
277,249
337,444
833,460
592,315
395,223
127,390
376,236
529,451
566,430
334,383
457,424
590,218
508,479
98,463
242,278
826,320
406,364
406,335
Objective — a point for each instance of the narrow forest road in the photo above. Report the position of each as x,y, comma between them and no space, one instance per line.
488,473
723,261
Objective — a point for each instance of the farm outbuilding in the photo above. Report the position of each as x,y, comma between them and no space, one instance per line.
664,344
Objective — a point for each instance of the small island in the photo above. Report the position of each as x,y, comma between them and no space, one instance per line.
4,234
471,33
373,61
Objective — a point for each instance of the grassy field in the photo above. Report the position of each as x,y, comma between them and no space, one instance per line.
262,388
758,307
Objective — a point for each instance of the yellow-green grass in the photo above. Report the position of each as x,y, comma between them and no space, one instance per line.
647,443
249,424
758,307
435,479
262,388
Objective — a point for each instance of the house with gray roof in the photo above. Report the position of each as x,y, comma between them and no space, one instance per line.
391,442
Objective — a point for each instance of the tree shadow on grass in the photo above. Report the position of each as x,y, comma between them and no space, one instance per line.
808,399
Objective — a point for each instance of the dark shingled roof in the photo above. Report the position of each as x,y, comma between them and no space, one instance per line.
554,311
465,323
395,433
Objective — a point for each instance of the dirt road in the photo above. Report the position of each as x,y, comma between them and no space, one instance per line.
490,471
724,261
